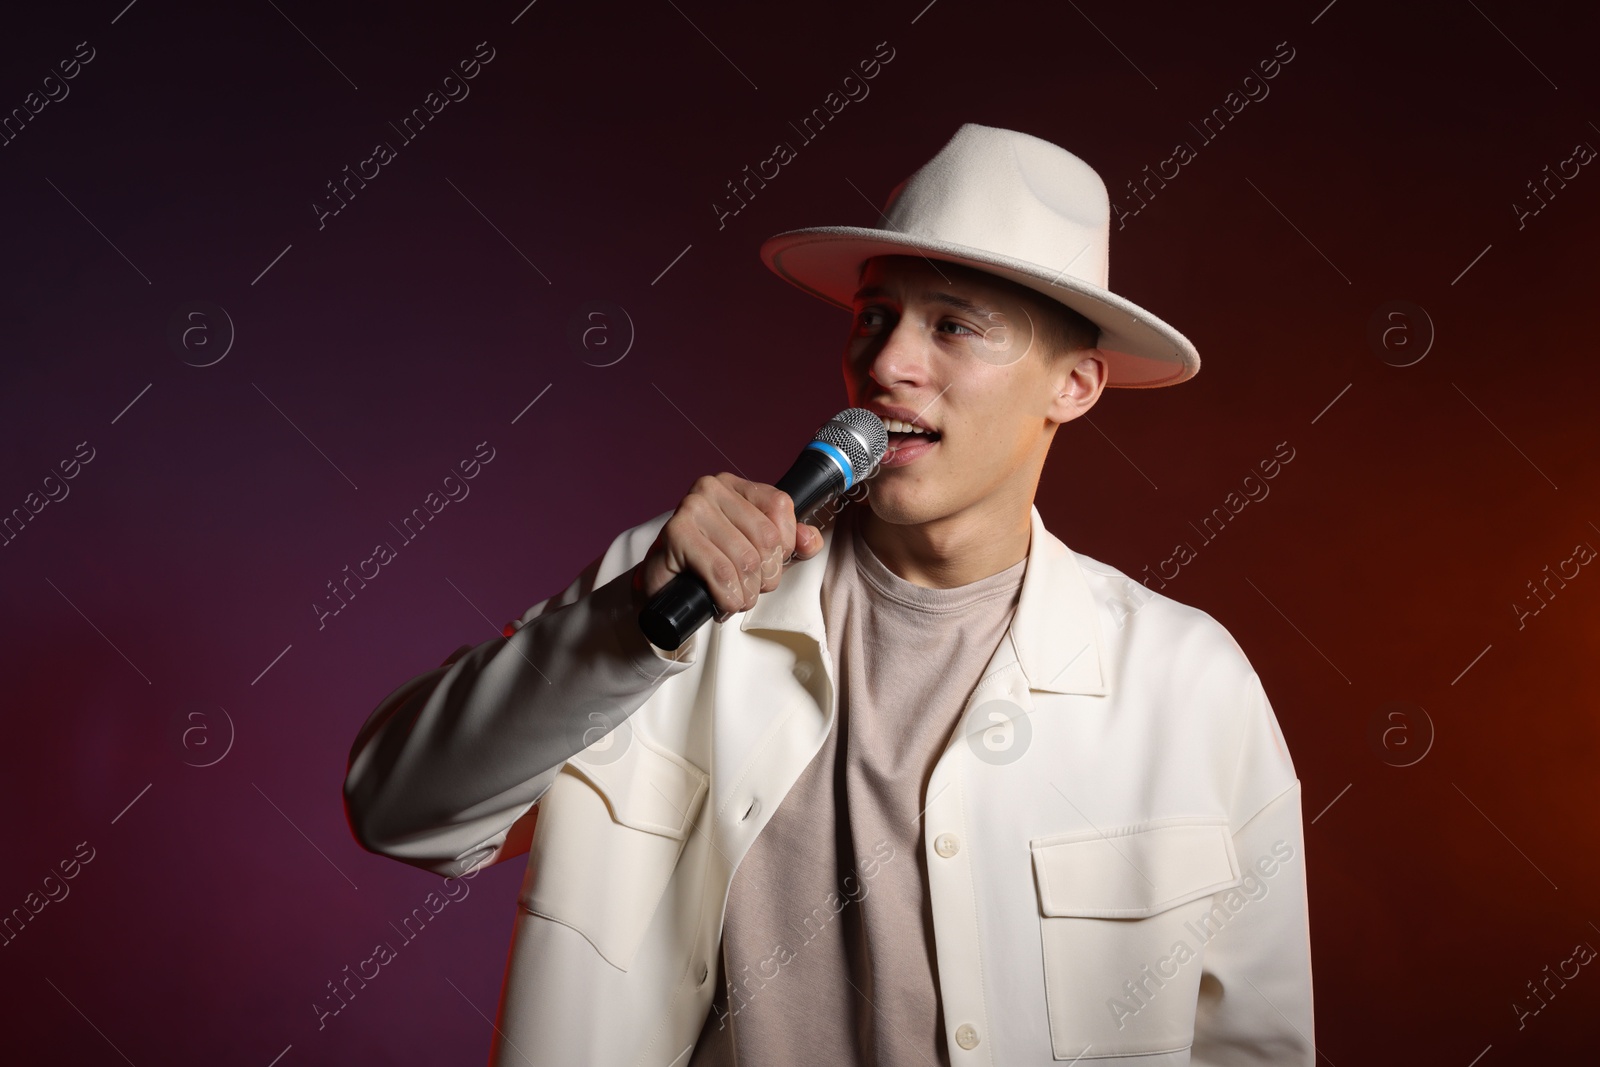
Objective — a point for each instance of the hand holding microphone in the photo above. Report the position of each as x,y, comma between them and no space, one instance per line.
729,538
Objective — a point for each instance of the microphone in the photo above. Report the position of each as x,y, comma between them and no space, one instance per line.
844,452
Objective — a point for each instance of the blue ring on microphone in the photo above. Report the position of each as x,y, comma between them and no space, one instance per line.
838,457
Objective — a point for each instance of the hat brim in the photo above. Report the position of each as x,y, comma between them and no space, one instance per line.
1141,350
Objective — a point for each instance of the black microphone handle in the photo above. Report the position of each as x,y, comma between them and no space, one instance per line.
684,604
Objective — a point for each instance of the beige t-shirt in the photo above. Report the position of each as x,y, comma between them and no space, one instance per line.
827,944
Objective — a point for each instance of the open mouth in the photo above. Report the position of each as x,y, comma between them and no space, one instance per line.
907,441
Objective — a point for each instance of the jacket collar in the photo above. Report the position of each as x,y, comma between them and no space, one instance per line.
1054,630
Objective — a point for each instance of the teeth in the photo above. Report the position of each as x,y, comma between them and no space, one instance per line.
897,426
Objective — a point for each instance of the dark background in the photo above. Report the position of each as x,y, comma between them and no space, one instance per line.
173,702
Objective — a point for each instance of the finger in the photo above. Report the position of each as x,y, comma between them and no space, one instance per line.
684,546
657,567
808,541
764,535
712,551
743,538
778,507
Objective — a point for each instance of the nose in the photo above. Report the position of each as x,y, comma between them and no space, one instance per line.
899,357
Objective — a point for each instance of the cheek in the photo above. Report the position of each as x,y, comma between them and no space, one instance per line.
982,443
988,410
992,433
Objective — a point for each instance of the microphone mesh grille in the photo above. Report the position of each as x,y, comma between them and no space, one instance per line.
860,435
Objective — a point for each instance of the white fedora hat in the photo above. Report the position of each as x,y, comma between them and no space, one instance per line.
1015,206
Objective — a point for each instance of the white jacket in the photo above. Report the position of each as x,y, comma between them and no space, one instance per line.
1114,846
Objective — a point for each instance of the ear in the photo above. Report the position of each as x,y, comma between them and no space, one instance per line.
1076,382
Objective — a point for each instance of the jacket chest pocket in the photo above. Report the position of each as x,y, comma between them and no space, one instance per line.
609,833
1124,918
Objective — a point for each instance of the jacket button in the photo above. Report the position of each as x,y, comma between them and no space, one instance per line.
966,1035
946,845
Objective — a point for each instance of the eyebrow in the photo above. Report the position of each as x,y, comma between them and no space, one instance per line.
949,299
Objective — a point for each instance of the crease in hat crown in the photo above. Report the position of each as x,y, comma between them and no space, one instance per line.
1013,205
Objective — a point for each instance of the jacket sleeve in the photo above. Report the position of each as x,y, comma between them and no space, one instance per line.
444,770
1255,1005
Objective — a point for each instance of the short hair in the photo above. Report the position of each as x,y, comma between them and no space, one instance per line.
1063,331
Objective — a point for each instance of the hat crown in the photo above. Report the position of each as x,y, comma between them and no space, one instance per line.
1011,193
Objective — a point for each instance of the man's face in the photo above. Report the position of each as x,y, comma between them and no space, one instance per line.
964,355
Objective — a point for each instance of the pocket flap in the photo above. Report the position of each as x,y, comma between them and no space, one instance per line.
1133,873
615,823
645,786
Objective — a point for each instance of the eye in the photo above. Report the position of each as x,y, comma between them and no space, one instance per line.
958,326
869,319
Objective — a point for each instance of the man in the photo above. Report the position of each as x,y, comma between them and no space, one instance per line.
940,790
